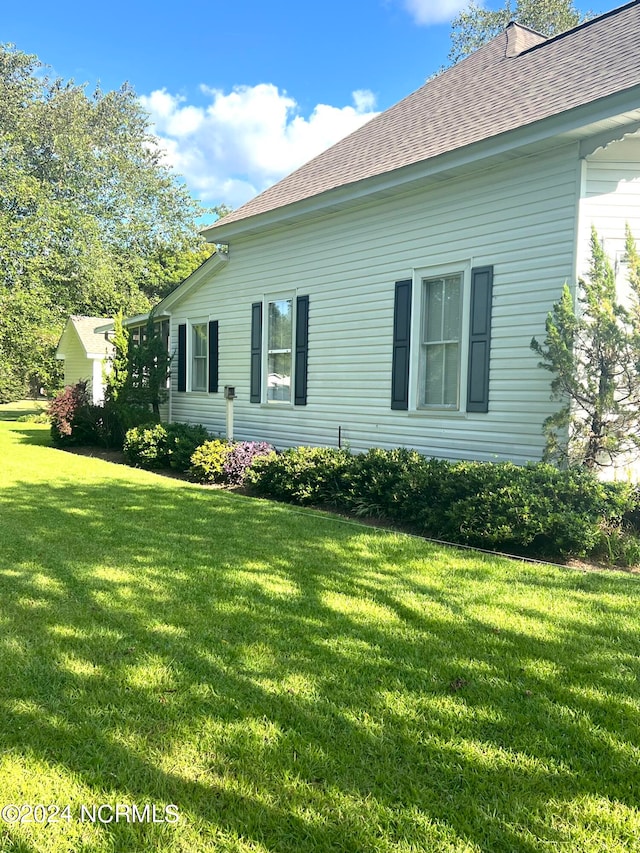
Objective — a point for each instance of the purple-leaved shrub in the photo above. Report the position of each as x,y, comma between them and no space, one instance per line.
240,457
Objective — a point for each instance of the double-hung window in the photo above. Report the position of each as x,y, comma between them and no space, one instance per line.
279,350
441,341
199,357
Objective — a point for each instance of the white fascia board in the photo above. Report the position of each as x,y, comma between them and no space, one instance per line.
575,124
139,319
210,267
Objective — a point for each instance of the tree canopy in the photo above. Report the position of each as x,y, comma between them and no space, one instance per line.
93,221
475,25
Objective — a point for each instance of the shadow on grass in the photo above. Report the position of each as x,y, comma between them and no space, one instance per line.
13,411
300,683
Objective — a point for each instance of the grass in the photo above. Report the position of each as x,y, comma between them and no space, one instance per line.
296,683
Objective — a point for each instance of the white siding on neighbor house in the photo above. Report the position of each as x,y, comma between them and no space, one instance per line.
520,218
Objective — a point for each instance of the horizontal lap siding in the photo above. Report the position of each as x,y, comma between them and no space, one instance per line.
520,219
76,364
611,198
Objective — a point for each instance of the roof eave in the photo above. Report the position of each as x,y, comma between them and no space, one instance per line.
211,266
566,125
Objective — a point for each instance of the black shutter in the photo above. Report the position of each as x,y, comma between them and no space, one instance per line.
182,357
256,353
302,351
213,356
480,339
401,345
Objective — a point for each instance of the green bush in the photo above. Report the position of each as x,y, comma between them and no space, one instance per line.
34,418
147,446
163,445
207,461
304,475
182,441
535,509
115,419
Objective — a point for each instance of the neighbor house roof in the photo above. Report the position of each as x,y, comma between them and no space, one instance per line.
517,79
94,343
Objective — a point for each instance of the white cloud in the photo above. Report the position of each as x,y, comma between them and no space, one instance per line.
434,11
246,139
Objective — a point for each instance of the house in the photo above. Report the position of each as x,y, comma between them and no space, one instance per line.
386,292
84,350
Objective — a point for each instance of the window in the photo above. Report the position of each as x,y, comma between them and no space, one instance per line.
441,341
441,355
279,350
199,357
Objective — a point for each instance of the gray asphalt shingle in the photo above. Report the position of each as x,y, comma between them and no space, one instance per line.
515,80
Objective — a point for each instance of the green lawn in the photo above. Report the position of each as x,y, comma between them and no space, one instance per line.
292,682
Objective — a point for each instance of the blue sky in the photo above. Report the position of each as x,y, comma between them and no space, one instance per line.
243,92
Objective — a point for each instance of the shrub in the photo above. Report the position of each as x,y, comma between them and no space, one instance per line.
147,446
240,458
73,417
34,418
534,509
207,461
303,475
116,419
182,441
163,445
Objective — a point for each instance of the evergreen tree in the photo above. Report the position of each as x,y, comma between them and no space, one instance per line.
594,355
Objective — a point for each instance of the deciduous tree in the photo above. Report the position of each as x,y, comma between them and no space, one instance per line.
475,25
92,219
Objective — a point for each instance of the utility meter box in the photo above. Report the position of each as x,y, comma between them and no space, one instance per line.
229,392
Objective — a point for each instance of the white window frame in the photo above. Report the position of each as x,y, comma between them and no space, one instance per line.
191,355
416,368
280,296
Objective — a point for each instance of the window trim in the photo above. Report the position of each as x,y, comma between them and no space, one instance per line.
191,355
420,275
268,298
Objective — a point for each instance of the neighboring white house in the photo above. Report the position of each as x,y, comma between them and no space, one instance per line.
386,292
84,352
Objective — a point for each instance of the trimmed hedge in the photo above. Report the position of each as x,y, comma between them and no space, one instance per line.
533,509
163,445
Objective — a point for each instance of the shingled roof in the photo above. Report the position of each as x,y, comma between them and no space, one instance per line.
515,80
93,342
